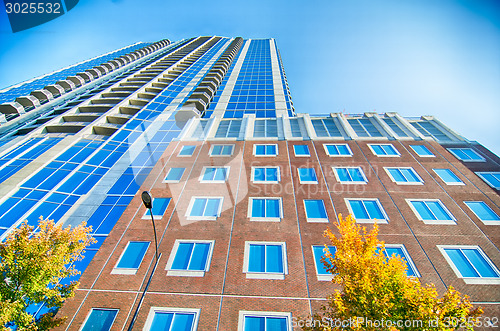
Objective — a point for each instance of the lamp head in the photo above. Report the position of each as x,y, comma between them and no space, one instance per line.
147,200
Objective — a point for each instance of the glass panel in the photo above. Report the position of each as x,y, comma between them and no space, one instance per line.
259,174
315,209
271,150
332,149
358,209
356,174
217,149
343,150
181,260
396,174
258,208
257,258
212,208
272,174
472,155
209,174
438,210
100,320
423,210
198,207
301,150
410,175
483,211
227,150
276,324
200,255
133,255
374,210
483,267
389,150
187,150
274,258
447,176
253,323
162,321
182,322
220,174
343,174
319,252
160,205
461,263
421,150
272,208
378,149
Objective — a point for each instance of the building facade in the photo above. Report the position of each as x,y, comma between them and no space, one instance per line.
243,188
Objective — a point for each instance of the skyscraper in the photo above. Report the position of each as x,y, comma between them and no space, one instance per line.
243,187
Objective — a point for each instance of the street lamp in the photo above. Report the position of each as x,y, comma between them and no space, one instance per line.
147,200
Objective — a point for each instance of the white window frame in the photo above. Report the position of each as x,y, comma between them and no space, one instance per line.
308,181
398,154
264,275
203,218
407,257
153,310
321,278
100,308
451,150
212,148
180,150
485,222
432,154
294,153
447,183
367,220
264,219
201,180
325,147
470,280
255,150
268,181
244,313
189,273
128,271
421,182
350,182
480,174
315,220
453,221
165,180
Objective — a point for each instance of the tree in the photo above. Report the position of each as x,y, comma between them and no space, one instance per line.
376,293
32,263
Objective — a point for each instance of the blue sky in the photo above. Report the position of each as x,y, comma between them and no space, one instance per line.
415,57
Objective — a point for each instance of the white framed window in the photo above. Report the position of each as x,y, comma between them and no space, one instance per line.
265,260
159,207
404,175
491,178
186,151
301,150
448,177
483,212
466,154
384,150
266,175
336,150
131,258
315,211
422,151
221,150
307,176
319,251
265,209
431,211
265,150
264,321
174,175
204,208
172,319
350,175
265,128
99,319
400,249
190,258
367,210
214,174
471,264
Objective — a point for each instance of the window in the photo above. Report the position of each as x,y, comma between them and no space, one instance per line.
384,150
491,178
315,211
350,175
431,211
307,176
221,150
265,209
264,321
301,150
318,252
422,151
266,128
187,150
326,127
265,260
174,175
448,177
396,249
265,175
364,127
404,176
172,319
466,154
471,264
228,129
159,207
131,258
99,319
190,258
204,208
483,212
265,150
337,149
367,210
214,174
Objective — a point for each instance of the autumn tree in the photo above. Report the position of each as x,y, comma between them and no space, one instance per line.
376,293
32,264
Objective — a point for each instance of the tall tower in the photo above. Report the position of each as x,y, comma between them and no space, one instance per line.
243,187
